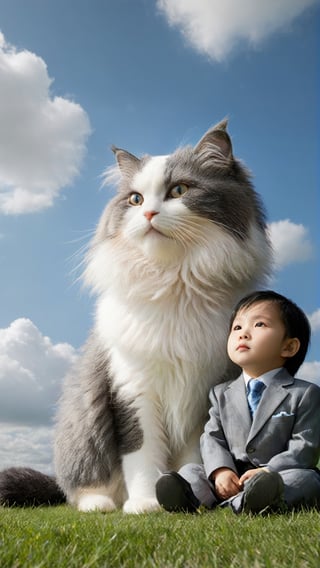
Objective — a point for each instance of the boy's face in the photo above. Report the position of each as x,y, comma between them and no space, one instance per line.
257,340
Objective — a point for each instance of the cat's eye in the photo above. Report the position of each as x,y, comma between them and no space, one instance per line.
178,190
135,199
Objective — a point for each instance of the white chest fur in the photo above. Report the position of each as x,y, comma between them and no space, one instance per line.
168,350
165,328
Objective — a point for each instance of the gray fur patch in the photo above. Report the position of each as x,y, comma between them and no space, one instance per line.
220,192
95,427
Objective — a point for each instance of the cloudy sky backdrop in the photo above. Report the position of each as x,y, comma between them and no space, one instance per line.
149,75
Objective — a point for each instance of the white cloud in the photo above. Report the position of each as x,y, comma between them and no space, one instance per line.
310,372
291,243
31,371
215,28
314,320
26,446
42,138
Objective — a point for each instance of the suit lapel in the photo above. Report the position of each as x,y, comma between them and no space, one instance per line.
271,398
237,407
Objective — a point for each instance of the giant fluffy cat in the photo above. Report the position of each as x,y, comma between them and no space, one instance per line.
175,249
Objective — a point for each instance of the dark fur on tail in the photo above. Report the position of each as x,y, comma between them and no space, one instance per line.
25,487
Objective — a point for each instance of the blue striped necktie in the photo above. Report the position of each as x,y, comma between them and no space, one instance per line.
255,390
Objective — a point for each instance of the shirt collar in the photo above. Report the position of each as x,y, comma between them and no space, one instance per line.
266,378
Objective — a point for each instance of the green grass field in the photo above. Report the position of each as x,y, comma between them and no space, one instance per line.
62,537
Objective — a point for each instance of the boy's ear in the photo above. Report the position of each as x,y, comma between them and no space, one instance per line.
291,347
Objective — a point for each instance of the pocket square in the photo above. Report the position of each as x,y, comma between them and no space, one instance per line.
282,414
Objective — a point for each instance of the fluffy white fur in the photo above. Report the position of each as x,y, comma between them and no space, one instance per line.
165,299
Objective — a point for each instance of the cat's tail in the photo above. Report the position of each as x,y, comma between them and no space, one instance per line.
25,487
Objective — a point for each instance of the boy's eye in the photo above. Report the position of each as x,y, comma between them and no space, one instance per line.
260,324
135,199
178,190
236,327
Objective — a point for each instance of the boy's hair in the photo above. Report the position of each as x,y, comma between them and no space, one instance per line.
294,319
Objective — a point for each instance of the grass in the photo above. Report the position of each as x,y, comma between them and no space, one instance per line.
62,537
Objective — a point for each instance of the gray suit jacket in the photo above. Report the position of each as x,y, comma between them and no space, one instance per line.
284,433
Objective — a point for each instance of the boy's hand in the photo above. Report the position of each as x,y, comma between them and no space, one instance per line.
250,473
227,483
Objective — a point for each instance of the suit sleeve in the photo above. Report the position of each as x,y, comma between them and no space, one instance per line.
214,448
303,450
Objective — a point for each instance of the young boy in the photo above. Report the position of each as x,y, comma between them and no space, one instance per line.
264,456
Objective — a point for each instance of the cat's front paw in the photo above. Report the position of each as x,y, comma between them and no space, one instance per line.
141,505
103,503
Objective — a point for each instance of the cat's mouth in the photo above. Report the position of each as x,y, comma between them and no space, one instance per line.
156,232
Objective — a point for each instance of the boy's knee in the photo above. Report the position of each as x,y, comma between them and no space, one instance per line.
301,487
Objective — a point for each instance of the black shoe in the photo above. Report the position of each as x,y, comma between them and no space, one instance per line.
265,489
174,493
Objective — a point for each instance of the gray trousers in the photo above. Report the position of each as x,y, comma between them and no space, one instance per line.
301,488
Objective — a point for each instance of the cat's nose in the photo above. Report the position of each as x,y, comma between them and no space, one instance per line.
149,214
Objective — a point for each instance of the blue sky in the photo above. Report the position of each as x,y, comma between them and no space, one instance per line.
78,76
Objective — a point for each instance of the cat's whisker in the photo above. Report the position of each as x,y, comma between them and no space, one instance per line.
195,222
85,235
189,232
79,252
78,260
185,236
224,226
84,248
177,224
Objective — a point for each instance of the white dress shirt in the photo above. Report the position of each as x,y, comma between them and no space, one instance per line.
266,378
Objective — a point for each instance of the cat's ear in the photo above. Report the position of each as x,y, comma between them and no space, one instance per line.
215,145
128,163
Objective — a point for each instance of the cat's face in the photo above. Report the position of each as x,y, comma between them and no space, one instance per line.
157,217
169,204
